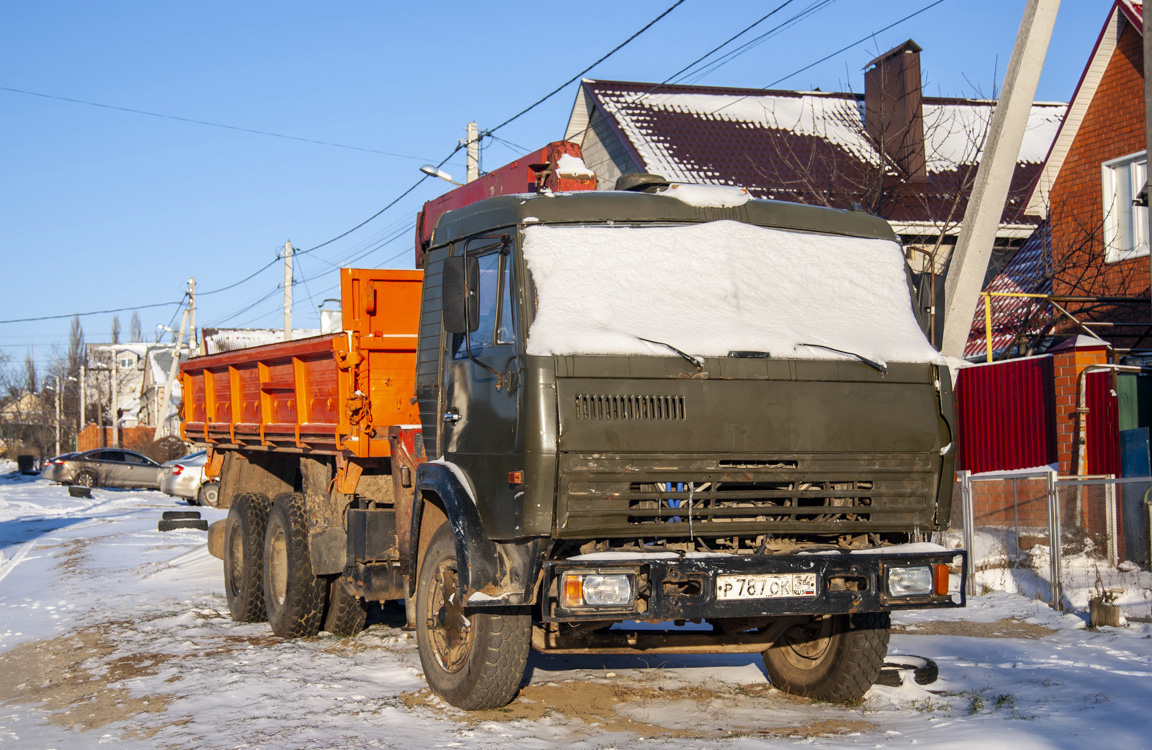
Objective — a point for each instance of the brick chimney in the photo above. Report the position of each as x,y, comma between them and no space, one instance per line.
893,108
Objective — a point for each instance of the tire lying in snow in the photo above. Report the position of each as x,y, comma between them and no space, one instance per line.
897,669
294,596
244,556
171,514
172,524
835,658
472,659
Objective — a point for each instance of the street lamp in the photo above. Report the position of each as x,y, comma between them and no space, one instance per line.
432,171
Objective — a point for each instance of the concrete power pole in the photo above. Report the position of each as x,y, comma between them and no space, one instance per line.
83,398
165,403
994,175
115,398
287,291
191,315
473,144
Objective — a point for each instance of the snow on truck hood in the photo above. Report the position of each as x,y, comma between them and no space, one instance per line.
712,288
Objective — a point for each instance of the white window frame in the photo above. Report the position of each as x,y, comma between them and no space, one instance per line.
1125,225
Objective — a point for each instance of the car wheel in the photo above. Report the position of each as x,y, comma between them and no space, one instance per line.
85,479
209,495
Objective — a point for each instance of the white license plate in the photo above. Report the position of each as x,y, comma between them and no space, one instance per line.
766,586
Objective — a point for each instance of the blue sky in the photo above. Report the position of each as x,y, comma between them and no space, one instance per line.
102,208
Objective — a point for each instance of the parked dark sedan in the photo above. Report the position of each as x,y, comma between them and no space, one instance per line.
108,467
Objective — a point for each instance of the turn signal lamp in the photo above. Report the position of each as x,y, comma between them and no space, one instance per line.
942,578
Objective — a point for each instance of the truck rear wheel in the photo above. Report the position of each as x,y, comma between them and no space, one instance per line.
836,658
474,660
244,557
293,595
345,614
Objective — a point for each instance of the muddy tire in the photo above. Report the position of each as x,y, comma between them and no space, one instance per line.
345,614
472,659
244,557
208,495
835,658
293,595
85,479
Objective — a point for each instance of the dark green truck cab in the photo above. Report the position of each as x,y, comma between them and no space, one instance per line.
644,408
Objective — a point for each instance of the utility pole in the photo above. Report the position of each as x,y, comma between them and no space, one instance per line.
191,315
57,453
83,398
473,143
994,175
287,291
165,403
115,398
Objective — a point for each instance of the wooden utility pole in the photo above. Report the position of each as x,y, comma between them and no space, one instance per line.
994,175
191,314
165,405
287,291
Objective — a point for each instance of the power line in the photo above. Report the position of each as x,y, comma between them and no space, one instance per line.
576,77
90,313
193,121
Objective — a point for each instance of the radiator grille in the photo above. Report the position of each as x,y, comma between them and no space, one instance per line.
629,407
614,495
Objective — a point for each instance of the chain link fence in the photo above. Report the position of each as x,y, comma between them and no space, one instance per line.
1007,521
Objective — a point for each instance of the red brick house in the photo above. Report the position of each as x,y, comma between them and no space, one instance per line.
1095,169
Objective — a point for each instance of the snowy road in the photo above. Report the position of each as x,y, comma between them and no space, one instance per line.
113,632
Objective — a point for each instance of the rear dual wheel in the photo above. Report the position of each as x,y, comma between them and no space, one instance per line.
294,596
244,556
834,658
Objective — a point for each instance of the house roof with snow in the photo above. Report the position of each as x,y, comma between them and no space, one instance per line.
1123,12
807,146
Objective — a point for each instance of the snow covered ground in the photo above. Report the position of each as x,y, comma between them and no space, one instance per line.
113,632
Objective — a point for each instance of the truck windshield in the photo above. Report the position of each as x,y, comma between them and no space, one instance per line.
718,287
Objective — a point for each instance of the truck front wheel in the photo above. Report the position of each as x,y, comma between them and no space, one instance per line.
836,658
472,659
293,595
244,557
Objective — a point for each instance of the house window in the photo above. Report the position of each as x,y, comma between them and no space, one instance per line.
1125,225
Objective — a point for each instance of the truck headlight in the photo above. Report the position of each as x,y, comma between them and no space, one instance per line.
910,581
596,590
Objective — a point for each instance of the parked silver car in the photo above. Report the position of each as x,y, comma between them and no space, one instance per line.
108,467
53,467
184,477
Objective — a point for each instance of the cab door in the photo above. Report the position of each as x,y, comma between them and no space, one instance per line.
480,392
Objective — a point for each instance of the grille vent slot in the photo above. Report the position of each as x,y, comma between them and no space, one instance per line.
629,407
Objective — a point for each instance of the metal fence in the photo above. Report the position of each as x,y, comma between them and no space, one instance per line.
1102,526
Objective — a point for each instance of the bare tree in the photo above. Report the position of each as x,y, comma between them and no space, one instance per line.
137,335
115,329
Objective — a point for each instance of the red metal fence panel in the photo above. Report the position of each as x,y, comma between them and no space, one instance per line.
1103,424
1006,415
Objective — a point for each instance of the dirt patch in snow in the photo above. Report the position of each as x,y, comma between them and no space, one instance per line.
1009,627
77,676
699,711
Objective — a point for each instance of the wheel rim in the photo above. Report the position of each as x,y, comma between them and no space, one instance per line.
210,496
449,628
805,647
278,568
85,480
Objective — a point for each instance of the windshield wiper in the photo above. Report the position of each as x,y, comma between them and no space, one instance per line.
877,366
697,362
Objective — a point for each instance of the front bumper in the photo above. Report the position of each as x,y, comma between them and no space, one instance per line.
686,588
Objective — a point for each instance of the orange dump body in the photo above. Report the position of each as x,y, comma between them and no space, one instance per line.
334,393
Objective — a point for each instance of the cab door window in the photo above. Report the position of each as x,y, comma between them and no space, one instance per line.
494,306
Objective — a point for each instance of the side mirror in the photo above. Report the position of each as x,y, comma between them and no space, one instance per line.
458,292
